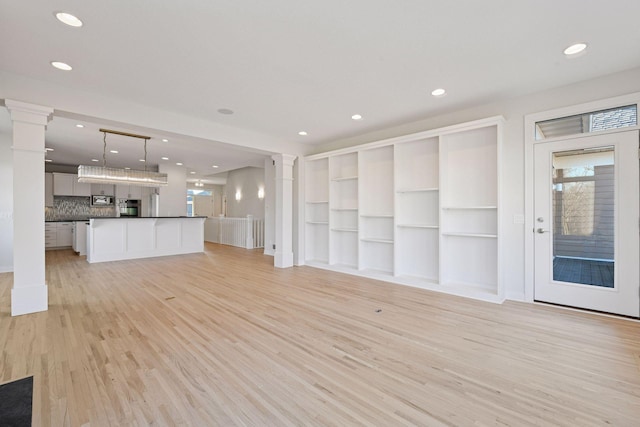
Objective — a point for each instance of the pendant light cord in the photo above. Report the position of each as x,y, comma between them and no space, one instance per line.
104,151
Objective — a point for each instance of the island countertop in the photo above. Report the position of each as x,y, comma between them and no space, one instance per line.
143,237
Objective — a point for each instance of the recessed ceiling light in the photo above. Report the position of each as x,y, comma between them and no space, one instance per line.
192,172
178,164
165,158
302,133
165,140
575,49
127,168
356,117
114,151
225,111
215,166
79,125
438,92
48,160
61,66
142,160
95,160
69,19
49,149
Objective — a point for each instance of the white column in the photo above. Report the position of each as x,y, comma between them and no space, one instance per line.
29,292
284,210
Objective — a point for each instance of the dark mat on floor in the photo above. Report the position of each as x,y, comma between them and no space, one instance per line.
15,403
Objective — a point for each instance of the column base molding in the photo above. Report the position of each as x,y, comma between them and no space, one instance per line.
283,259
30,299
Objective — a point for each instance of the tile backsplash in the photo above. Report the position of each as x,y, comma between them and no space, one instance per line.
75,208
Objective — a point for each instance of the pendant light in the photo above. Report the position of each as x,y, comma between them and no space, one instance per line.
104,175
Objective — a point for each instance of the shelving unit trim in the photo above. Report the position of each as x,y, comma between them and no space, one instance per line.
435,227
488,236
416,190
376,240
344,178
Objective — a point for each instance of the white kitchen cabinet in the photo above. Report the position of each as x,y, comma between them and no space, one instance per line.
48,189
102,189
64,234
66,184
80,237
422,210
129,192
50,235
63,184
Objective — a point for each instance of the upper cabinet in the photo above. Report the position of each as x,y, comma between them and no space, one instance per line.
421,210
102,189
131,192
48,189
66,184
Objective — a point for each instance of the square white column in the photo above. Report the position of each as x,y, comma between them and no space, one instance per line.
29,292
284,210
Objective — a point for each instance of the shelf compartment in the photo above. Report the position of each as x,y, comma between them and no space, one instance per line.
417,253
376,227
470,261
418,208
482,222
317,180
344,248
417,164
317,242
317,212
376,255
344,219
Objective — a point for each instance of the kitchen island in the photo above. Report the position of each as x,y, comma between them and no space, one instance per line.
114,239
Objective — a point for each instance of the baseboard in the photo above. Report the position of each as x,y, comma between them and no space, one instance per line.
515,296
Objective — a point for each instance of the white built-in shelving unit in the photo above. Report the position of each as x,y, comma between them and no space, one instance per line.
421,210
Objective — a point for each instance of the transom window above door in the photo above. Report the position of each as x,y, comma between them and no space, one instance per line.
595,121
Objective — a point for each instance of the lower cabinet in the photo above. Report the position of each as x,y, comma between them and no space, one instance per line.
58,235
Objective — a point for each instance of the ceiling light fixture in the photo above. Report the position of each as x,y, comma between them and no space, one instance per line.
356,117
48,160
302,133
62,66
48,149
575,49
142,160
178,164
104,175
165,140
165,158
79,125
438,93
199,184
69,19
114,151
95,160
215,166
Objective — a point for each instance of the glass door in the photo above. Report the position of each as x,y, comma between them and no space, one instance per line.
586,223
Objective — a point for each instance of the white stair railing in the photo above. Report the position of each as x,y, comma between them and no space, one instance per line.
241,232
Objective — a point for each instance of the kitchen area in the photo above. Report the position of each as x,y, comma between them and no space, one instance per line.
74,214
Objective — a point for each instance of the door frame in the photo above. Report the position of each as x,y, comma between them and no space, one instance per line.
530,121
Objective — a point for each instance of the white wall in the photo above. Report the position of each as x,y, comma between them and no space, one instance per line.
248,181
173,197
6,203
513,179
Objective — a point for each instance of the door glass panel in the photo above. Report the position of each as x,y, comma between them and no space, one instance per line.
583,217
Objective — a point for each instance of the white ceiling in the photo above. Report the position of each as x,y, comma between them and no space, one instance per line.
289,65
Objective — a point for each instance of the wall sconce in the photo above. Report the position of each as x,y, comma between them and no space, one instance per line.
238,195
261,193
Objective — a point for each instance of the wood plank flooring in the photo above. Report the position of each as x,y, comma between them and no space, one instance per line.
224,338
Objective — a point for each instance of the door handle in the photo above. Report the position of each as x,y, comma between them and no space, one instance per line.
541,230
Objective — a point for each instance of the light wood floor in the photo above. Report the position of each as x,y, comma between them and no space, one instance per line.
224,338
